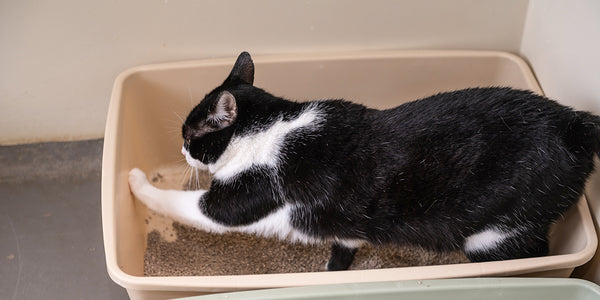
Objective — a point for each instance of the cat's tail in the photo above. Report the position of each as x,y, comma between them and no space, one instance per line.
583,132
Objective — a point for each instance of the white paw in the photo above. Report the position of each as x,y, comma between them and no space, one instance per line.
137,180
143,190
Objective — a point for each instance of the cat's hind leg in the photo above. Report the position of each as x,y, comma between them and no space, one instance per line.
498,244
341,257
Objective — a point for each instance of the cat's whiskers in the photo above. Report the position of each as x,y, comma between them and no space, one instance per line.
186,176
179,117
172,127
193,179
197,187
190,184
191,97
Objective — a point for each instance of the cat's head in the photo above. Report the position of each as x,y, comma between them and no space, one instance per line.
208,129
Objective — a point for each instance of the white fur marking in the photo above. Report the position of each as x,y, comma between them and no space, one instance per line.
182,206
259,149
179,205
485,240
276,224
355,243
192,161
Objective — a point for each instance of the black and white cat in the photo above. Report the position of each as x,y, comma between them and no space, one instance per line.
485,170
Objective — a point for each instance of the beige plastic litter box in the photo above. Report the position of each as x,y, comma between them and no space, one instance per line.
141,131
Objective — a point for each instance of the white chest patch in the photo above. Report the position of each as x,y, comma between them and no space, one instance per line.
262,148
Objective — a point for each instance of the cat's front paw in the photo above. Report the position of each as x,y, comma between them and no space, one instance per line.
143,190
137,180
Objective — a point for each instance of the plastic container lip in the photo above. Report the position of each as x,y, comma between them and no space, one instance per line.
111,174
249,282
337,56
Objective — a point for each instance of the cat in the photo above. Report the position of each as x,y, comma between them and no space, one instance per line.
485,170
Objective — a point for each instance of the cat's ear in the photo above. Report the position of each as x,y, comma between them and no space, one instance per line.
243,68
224,111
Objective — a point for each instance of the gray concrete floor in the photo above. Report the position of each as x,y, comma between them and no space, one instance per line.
50,223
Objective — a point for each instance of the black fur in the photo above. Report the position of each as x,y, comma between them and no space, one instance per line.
341,257
430,173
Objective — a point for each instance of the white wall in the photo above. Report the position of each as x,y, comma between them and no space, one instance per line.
561,40
59,58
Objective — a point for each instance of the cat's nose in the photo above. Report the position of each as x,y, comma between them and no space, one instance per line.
183,150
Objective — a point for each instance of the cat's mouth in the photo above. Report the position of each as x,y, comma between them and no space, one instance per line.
192,161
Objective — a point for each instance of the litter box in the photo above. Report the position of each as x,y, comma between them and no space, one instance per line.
143,131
